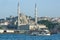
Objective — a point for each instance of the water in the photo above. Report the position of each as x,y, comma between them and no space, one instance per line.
27,37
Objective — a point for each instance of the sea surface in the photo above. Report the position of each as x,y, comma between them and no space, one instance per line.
28,37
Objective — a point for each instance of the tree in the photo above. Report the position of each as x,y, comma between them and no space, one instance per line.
49,24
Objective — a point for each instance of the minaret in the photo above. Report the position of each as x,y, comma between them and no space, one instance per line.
18,12
35,14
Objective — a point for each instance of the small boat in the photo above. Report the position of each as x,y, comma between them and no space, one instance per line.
38,33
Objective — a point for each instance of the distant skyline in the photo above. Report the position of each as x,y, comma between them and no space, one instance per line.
50,8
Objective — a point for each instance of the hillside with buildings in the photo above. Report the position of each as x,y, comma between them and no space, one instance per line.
11,22
29,25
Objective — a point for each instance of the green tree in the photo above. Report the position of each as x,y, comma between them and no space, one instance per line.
49,24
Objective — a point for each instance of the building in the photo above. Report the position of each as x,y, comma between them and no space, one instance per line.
4,23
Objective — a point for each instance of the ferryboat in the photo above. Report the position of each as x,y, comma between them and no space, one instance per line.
38,33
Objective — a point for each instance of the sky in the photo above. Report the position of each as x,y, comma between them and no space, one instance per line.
50,8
